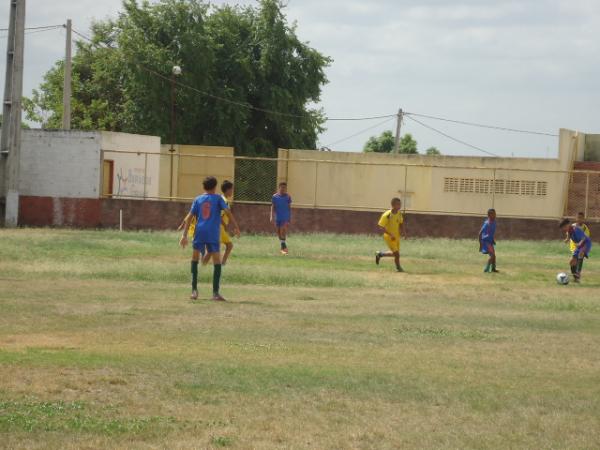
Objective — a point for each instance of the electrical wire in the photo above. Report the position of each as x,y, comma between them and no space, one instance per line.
473,124
360,132
452,138
38,28
34,30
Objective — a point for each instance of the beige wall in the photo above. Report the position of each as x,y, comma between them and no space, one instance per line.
189,171
135,175
514,186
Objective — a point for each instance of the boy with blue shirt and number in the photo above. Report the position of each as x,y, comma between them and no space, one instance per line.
583,246
206,209
487,241
281,214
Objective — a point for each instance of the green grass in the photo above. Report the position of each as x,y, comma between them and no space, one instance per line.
101,348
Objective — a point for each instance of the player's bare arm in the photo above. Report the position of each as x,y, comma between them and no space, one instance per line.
183,241
236,228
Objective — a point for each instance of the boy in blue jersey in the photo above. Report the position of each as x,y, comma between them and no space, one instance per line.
487,241
207,210
583,246
281,214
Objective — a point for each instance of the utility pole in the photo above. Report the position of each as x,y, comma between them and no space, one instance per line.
398,129
66,120
10,142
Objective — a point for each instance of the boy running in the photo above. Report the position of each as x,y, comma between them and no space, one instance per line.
583,246
580,222
487,242
281,214
227,190
207,210
392,225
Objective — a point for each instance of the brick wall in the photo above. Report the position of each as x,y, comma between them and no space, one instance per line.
157,215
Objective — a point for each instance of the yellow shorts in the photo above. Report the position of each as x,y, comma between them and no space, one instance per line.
225,238
394,245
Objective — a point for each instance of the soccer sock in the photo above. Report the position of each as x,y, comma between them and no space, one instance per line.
488,267
580,266
574,269
283,244
195,275
216,278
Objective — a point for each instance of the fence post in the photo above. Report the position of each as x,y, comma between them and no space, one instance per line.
316,183
145,172
587,192
494,188
405,187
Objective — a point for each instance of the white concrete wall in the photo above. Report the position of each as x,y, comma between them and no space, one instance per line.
60,164
135,175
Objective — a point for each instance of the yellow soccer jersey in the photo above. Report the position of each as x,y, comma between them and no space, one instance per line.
391,222
224,217
192,228
587,232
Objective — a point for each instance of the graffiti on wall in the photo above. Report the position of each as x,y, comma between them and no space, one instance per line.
132,182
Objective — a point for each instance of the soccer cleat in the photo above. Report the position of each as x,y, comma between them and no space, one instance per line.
400,269
218,298
194,295
377,257
284,251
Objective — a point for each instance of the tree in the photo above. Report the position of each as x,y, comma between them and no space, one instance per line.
432,151
386,142
247,81
382,144
408,144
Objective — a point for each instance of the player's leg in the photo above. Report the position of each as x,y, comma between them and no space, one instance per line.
574,263
195,260
226,240
492,251
216,257
397,261
205,259
283,237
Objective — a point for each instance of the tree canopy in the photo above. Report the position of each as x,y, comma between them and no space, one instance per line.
239,66
385,143
432,151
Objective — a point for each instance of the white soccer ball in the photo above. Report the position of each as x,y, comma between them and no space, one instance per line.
562,278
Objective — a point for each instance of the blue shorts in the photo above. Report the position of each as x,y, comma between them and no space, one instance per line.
204,247
582,252
487,248
281,223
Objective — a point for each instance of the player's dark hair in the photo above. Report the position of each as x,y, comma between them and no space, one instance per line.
209,183
395,199
564,222
491,210
283,183
226,185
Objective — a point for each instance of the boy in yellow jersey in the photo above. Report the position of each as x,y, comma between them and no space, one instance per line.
392,225
580,223
227,190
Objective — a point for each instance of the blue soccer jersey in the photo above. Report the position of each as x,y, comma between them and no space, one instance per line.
282,206
207,210
581,240
488,231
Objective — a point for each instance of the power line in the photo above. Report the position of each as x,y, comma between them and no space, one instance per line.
38,28
473,124
361,132
451,138
35,30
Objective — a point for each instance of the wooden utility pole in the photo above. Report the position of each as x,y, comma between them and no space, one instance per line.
67,82
10,142
398,129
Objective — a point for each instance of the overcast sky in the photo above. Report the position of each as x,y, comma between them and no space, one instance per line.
530,64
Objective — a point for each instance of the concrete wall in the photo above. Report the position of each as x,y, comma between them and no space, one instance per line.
60,164
134,174
445,184
189,171
592,147
161,215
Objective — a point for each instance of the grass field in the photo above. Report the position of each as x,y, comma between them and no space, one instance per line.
101,348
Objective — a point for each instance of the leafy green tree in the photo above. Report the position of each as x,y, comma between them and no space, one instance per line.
382,144
239,64
432,151
385,143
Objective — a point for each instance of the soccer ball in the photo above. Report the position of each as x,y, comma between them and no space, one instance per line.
562,278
